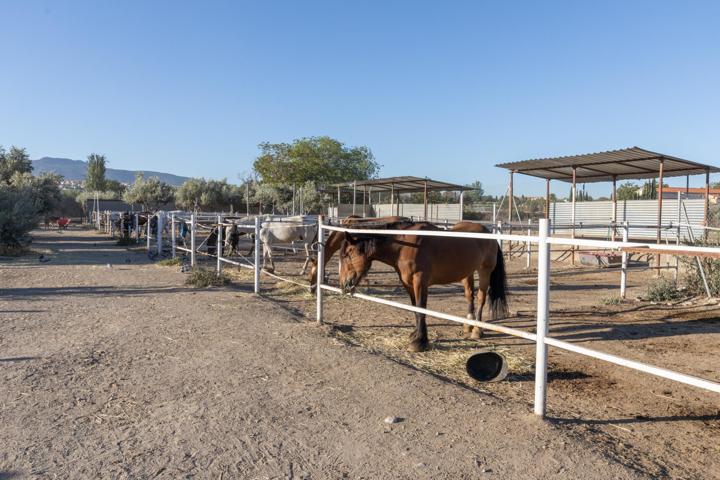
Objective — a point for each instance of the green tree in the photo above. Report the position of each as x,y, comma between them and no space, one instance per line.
580,195
115,188
322,160
476,192
209,195
44,190
12,162
95,175
627,191
151,193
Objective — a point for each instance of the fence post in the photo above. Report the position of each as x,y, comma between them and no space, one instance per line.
320,270
137,228
149,221
543,310
192,240
623,268
677,237
173,239
499,230
256,286
219,247
160,227
528,246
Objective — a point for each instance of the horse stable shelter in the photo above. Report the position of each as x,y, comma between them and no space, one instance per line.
611,166
392,188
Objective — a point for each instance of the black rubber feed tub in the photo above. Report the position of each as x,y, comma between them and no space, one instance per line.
487,366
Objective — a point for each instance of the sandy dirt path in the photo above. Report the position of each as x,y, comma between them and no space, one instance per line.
112,368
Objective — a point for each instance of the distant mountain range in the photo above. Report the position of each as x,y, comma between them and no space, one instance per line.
75,170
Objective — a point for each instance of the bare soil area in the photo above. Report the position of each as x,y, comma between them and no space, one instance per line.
658,427
113,368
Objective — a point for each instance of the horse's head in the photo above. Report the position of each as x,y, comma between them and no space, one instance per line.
355,260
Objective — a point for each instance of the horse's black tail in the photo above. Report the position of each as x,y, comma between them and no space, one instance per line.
498,288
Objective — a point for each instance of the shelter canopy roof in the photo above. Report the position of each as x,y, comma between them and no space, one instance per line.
402,185
627,163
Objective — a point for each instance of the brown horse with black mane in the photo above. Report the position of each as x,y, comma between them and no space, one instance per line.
422,261
335,239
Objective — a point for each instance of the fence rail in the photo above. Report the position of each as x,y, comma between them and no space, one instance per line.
542,241
541,338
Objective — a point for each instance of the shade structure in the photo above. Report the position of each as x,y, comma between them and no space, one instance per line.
627,163
403,185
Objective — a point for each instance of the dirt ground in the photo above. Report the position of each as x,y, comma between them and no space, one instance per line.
658,427
113,368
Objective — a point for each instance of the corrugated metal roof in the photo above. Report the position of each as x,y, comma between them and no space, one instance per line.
627,163
402,185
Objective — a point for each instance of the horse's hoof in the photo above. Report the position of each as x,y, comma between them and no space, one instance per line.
476,334
417,346
470,316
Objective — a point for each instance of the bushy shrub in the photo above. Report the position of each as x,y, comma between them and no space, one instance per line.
170,262
18,214
692,278
663,290
201,278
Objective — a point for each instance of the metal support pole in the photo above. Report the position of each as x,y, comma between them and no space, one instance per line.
707,200
547,198
425,201
149,221
160,227
499,230
256,279
354,196
219,247
528,246
494,214
320,270
659,212
614,205
462,205
369,200
364,202
510,197
543,311
624,265
573,193
392,199
337,214
192,240
173,236
677,236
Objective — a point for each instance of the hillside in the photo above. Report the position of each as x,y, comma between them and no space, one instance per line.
75,170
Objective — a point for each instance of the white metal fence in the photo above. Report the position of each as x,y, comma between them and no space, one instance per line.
542,240
540,337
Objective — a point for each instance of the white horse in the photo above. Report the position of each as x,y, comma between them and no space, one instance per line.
275,232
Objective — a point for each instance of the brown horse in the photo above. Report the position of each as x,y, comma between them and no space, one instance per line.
335,239
424,261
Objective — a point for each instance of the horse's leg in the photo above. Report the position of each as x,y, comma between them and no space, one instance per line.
469,284
268,251
307,259
483,286
419,338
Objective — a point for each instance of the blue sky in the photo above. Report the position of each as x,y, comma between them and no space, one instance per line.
438,89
